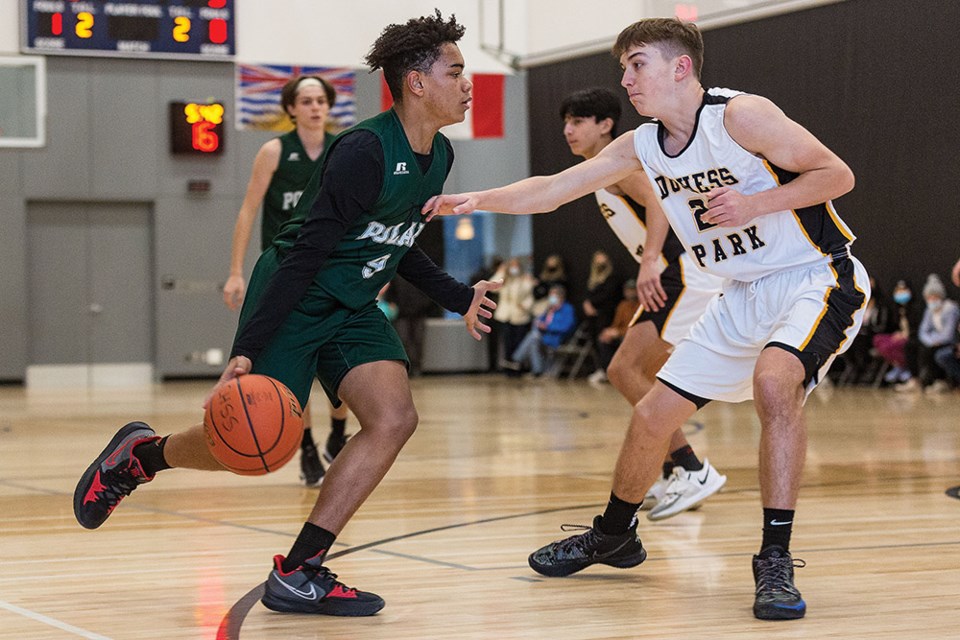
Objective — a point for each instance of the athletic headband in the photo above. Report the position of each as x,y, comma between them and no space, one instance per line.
310,82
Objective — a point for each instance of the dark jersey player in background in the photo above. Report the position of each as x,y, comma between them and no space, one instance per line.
282,168
311,311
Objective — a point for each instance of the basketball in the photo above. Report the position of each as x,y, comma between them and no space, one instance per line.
253,425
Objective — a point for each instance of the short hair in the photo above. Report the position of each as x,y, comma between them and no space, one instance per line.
288,94
414,46
675,37
596,102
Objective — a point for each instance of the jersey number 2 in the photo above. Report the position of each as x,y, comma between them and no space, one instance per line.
699,207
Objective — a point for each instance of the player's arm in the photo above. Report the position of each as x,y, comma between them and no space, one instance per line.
955,274
541,194
759,126
472,303
264,166
650,291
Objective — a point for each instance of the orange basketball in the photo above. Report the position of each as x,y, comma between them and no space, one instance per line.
253,425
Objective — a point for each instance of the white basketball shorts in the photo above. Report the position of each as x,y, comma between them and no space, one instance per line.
814,311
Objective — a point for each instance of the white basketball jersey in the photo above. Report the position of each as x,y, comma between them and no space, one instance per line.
769,243
624,220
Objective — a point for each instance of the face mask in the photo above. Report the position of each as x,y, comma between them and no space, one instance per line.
935,305
554,300
901,297
514,271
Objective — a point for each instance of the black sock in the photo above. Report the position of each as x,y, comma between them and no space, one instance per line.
338,425
150,455
307,438
619,516
667,468
311,541
777,527
686,458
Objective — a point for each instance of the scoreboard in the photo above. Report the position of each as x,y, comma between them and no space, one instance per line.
189,29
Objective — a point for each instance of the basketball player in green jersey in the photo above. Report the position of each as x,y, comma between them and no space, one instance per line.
311,311
281,170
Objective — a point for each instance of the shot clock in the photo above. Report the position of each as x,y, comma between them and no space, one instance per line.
196,128
190,29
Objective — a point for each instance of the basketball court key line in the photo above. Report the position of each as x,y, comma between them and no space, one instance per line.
232,622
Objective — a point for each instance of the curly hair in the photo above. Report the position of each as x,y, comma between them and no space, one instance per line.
413,46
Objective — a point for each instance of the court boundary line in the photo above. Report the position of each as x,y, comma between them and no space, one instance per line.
51,622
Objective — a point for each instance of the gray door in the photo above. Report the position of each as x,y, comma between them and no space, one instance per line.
90,285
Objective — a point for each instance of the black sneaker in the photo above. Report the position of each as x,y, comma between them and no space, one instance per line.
112,476
578,552
312,588
311,470
777,597
335,444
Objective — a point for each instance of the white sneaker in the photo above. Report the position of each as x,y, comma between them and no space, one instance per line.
686,490
597,376
655,493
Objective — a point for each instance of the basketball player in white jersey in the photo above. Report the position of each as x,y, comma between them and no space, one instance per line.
748,192
672,291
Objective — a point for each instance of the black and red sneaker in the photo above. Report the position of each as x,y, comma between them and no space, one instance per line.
112,477
312,588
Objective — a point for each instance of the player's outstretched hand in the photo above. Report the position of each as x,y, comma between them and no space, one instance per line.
481,307
453,204
233,292
238,366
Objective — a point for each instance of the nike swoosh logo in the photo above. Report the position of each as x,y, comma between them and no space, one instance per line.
704,481
777,523
306,595
114,457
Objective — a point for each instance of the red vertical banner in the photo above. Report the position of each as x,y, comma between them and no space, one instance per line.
386,100
487,105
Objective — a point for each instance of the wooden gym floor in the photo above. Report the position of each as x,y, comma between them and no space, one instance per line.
494,470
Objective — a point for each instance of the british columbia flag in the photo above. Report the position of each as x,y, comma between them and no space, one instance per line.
258,95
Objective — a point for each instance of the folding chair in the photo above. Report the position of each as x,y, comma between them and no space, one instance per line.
570,356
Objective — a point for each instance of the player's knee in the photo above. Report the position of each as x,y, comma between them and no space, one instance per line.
646,418
625,368
774,390
618,372
402,423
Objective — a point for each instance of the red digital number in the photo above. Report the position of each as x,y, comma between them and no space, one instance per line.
204,138
218,31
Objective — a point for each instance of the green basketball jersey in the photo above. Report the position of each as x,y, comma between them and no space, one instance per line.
293,172
366,257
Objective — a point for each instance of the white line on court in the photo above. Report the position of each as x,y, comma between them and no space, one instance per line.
26,613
